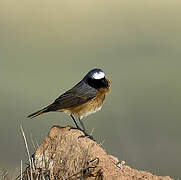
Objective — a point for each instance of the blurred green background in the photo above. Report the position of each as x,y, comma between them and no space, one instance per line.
48,46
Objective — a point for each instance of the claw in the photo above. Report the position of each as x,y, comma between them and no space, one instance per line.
75,128
88,136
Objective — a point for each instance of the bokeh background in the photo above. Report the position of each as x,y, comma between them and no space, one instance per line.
48,46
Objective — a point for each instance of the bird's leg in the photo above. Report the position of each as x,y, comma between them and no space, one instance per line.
75,122
84,130
83,127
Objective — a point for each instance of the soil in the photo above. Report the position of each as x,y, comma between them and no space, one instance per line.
64,154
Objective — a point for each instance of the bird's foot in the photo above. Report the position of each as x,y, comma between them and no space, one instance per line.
87,135
78,128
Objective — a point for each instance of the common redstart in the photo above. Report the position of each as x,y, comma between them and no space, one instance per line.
83,99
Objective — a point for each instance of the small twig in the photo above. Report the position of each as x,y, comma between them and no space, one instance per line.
86,168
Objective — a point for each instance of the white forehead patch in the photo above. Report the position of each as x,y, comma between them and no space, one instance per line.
98,75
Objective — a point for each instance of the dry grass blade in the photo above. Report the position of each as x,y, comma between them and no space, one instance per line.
101,143
37,144
21,170
32,141
4,175
27,149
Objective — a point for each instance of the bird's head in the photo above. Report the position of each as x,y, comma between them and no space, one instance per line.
96,79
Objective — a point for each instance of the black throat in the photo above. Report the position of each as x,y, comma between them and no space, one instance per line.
97,83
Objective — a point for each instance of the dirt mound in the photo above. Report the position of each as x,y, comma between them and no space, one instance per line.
65,155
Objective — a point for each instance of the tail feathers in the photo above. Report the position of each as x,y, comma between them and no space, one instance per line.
37,113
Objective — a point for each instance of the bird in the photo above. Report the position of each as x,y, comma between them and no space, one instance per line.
83,99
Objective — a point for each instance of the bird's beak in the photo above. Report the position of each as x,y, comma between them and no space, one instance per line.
108,83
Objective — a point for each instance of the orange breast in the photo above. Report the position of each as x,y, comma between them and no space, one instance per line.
90,106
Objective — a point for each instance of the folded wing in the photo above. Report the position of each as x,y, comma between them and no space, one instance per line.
79,94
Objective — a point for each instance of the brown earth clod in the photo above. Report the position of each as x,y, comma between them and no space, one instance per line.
63,155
